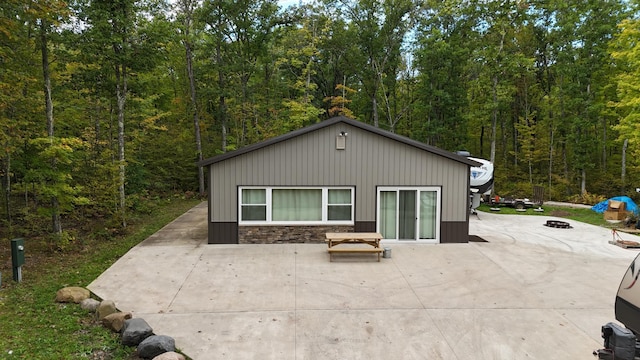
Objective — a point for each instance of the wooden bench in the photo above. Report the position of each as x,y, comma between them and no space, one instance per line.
370,239
353,250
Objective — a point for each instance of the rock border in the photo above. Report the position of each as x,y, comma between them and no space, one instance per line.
133,331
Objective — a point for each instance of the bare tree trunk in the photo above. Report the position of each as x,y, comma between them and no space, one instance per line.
604,144
551,119
96,128
565,163
121,95
7,189
188,12
583,183
55,205
222,105
374,92
47,78
494,120
374,102
243,114
551,135
623,176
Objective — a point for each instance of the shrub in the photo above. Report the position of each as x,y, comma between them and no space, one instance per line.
587,198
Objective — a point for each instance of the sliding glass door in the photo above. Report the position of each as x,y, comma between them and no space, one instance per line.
409,214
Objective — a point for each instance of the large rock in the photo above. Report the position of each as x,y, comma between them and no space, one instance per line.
72,294
171,355
90,304
115,321
156,345
134,331
106,307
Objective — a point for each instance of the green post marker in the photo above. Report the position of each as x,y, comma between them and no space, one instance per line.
17,258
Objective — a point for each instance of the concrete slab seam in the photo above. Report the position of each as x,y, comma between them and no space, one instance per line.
184,282
568,320
423,308
404,277
295,301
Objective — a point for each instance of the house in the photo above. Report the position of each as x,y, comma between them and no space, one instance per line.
338,175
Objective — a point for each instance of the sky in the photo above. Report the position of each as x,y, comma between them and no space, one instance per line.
286,3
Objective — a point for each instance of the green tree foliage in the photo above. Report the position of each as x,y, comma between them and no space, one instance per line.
547,89
51,175
442,55
625,49
239,33
583,32
186,13
298,51
377,30
127,37
20,103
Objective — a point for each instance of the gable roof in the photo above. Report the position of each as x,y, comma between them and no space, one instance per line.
333,121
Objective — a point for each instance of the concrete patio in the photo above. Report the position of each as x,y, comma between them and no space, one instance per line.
530,292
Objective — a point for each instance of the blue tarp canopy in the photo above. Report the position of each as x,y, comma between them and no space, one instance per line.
629,204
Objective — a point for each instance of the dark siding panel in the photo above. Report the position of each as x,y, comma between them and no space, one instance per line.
223,233
209,198
365,226
454,232
627,313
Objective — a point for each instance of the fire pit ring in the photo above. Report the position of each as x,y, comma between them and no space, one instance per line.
558,224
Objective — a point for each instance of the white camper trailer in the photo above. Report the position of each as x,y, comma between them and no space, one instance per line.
628,298
481,179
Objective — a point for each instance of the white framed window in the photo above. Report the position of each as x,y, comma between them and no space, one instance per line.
254,204
295,205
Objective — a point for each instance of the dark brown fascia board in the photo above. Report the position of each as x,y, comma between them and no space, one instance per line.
330,122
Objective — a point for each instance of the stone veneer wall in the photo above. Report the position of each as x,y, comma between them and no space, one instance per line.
287,234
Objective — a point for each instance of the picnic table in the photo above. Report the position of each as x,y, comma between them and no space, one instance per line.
371,240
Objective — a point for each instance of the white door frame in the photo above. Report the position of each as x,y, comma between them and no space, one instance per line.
417,189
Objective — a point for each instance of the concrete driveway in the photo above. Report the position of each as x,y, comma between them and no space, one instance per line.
530,292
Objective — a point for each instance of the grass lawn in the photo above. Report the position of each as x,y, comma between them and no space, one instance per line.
34,326
578,214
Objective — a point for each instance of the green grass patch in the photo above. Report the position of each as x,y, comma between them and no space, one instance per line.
34,326
578,214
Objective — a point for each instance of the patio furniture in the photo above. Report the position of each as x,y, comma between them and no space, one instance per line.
351,241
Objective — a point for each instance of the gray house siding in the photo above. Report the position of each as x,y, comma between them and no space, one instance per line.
369,160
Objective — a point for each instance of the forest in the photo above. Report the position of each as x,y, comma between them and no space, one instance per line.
105,104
